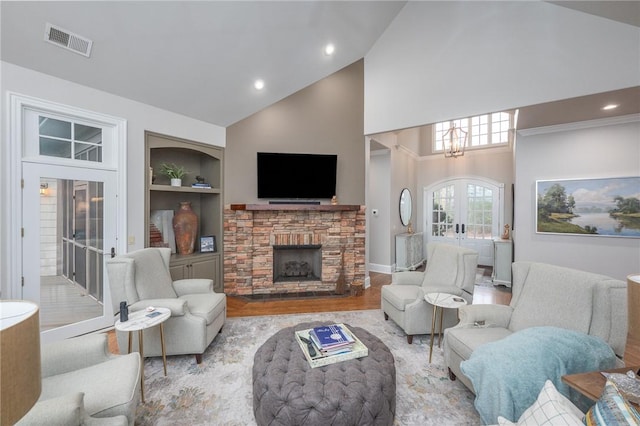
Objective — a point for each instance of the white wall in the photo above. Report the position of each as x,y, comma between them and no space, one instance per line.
445,60
569,152
140,117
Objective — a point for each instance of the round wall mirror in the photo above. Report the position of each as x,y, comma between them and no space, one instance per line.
405,207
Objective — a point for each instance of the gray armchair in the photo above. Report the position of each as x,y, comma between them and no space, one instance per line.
142,279
84,384
450,269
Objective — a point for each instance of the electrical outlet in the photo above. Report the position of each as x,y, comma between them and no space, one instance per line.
132,240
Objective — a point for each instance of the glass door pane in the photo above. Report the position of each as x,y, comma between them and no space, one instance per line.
71,261
68,218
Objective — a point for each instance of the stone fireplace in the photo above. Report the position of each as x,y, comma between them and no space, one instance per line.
289,248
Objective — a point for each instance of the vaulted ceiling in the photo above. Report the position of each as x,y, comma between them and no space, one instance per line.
200,58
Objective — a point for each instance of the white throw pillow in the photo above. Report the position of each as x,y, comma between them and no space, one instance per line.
551,408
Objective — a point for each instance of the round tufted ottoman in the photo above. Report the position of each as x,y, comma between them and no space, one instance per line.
287,391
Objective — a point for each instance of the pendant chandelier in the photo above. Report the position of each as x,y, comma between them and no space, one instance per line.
454,140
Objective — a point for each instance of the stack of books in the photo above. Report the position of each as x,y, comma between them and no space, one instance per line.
200,185
330,344
331,339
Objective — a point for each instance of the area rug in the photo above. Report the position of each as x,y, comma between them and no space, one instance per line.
219,390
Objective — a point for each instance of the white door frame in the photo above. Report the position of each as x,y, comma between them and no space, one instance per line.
13,245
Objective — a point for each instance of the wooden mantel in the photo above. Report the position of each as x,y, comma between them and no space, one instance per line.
296,207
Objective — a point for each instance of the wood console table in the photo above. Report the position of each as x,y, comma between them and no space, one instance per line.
591,384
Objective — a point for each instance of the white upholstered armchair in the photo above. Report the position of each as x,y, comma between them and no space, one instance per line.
450,269
142,279
84,384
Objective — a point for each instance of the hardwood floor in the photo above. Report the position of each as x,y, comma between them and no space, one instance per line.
241,307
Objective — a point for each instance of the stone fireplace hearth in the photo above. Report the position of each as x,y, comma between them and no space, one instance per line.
255,235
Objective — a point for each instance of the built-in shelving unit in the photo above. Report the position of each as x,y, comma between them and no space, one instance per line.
207,203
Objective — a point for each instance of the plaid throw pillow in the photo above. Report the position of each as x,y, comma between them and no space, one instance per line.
550,409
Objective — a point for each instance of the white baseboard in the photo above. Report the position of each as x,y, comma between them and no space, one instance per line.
383,269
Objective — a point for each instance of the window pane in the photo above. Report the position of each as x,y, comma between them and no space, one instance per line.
55,148
66,139
87,152
87,133
500,127
54,128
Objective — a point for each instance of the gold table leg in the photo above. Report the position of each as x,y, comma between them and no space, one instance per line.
440,337
164,354
433,328
141,348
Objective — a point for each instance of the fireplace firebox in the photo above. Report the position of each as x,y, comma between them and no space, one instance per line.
297,263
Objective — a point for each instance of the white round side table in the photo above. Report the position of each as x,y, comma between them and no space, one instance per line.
142,320
441,301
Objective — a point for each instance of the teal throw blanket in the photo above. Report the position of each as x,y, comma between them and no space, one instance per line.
508,374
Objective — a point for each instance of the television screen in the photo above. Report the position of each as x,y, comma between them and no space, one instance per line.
296,175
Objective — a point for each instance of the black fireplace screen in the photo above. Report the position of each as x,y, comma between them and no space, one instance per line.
297,263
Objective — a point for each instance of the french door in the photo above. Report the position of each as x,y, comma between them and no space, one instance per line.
466,212
69,226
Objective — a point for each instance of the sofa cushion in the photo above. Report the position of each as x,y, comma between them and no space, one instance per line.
567,293
400,295
550,409
207,306
109,387
157,281
464,341
612,409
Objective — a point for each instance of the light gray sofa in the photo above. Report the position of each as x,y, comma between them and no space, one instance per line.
84,384
450,269
542,295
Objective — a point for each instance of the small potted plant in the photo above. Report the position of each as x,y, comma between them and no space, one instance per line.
173,172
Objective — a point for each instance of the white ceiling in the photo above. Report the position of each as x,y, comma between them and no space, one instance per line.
200,58
196,58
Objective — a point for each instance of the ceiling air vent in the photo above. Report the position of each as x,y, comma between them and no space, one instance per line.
68,40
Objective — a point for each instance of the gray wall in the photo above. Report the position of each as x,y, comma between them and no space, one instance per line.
570,152
380,251
324,118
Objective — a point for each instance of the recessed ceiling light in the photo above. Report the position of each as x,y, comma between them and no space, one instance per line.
610,106
259,84
329,49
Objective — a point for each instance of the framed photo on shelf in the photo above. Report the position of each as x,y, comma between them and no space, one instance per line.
207,244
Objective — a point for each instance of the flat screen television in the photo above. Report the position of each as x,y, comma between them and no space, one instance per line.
294,176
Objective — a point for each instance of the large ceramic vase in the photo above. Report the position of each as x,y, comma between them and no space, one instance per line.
185,228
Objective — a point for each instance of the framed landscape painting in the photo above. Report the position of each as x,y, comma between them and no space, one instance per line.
607,207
